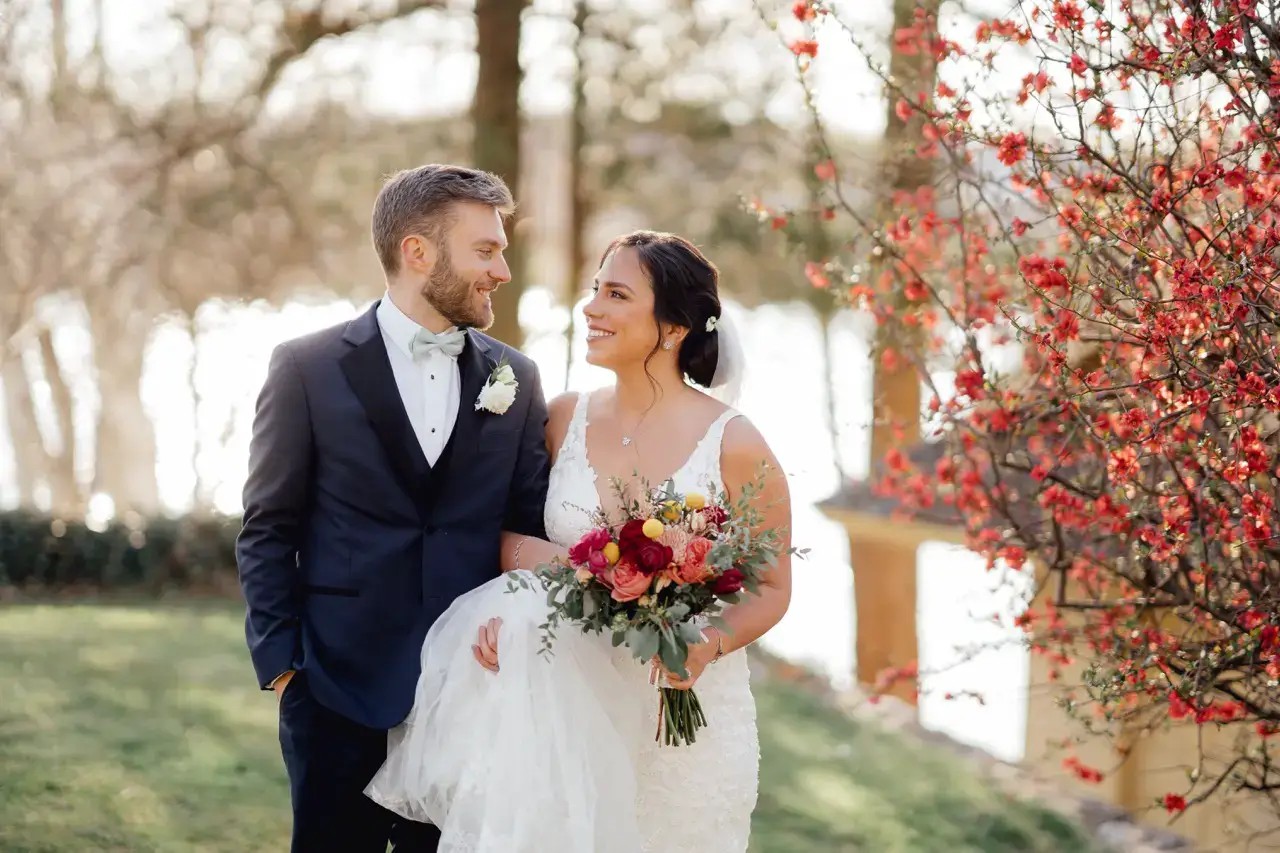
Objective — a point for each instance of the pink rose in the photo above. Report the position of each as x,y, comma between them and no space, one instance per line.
728,583
629,582
590,544
693,568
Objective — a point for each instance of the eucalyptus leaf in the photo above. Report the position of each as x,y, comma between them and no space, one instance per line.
644,641
689,632
674,654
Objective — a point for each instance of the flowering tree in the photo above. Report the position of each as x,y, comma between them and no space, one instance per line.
1105,184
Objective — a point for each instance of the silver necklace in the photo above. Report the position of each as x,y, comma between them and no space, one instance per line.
627,439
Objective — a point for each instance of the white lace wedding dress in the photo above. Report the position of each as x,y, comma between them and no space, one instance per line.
558,753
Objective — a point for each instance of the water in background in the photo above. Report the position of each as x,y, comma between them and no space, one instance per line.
783,394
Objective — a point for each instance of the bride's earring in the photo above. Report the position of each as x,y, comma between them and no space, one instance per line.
667,345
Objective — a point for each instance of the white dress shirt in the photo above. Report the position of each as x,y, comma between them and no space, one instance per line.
429,384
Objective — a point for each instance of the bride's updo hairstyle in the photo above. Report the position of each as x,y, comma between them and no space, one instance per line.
686,292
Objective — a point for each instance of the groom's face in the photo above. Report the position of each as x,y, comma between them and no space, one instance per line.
468,266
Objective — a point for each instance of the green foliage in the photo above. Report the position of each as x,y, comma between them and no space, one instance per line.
38,551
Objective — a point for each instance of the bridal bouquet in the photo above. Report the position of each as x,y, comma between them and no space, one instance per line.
653,578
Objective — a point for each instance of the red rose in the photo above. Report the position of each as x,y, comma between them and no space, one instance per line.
728,583
629,582
631,537
652,556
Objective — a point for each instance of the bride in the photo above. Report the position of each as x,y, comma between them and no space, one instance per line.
509,750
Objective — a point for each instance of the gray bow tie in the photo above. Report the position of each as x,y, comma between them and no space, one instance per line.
449,342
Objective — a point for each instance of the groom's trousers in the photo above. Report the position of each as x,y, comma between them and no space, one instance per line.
330,759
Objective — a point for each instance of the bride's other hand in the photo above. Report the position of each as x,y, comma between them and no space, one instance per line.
700,655
486,647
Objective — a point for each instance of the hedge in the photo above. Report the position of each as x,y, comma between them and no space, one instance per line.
39,551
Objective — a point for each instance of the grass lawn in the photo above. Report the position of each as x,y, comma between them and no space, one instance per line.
139,728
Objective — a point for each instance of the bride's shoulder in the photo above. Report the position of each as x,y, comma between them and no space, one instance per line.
559,414
743,450
561,407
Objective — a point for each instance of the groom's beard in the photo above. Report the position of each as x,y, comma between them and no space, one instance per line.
455,297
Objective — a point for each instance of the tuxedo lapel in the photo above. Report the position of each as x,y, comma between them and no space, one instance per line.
475,364
368,370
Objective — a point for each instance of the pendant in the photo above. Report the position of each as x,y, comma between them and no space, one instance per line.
626,441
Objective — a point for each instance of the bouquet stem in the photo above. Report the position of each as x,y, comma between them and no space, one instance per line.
679,716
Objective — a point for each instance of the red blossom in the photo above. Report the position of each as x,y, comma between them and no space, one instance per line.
805,47
1082,771
1128,449
803,10
817,274
1013,147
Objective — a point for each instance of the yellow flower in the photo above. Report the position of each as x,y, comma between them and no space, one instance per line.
611,552
583,575
693,500
645,601
671,511
652,528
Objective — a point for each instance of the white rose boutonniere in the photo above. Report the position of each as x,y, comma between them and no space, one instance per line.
499,392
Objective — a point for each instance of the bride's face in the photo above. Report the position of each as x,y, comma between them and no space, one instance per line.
620,325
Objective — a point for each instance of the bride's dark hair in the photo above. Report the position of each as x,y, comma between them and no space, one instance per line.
686,292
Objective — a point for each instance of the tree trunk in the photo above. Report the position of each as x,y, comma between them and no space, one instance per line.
65,492
125,448
897,395
202,489
885,573
24,431
578,210
495,117
59,49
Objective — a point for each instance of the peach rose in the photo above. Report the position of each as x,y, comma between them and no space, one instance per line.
629,583
693,568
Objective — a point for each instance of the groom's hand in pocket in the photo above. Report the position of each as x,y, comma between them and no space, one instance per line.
281,682
486,647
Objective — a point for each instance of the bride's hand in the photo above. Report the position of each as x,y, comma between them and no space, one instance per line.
486,647
700,655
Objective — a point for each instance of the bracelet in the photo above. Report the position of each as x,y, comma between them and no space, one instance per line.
516,555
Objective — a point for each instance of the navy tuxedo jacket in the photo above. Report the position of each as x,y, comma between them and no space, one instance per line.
353,545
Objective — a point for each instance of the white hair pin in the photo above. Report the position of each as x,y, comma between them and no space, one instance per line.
711,323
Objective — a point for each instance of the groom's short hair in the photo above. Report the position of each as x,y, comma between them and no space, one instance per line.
421,201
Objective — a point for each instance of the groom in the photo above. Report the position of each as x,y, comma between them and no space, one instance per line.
380,479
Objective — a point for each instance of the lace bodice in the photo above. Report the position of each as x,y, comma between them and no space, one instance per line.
723,765
572,494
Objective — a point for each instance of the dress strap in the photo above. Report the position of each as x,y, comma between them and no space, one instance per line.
705,462
715,432
575,437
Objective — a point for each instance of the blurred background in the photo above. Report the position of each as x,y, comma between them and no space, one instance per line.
186,183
